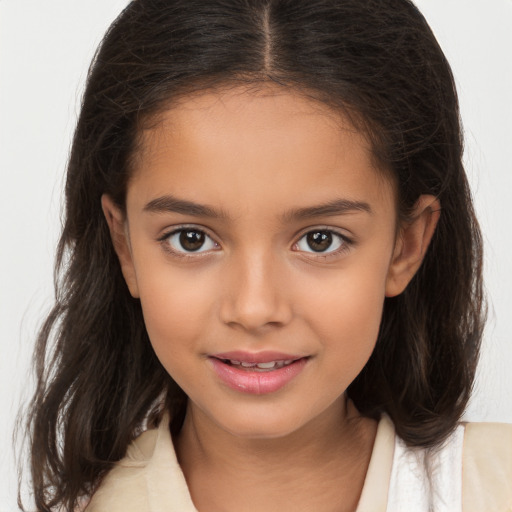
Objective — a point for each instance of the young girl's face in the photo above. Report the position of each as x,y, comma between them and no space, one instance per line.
259,231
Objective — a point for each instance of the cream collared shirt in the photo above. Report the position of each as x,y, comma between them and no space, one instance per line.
475,465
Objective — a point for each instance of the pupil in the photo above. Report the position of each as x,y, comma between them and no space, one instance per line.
319,241
191,240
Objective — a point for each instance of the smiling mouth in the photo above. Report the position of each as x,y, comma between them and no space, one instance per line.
257,374
258,367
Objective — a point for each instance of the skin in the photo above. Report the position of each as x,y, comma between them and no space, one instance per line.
257,285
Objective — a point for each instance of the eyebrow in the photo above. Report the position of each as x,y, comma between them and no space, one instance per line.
329,209
169,203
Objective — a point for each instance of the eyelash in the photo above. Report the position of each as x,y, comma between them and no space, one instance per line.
164,241
345,243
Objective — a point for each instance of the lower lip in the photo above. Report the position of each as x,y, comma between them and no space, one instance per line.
257,382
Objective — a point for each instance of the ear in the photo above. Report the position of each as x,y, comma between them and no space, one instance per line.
119,233
412,244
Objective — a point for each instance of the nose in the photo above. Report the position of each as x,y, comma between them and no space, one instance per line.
255,297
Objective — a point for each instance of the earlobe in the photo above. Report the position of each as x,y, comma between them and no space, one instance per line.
117,225
412,244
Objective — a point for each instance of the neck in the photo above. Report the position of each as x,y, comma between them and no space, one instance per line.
329,452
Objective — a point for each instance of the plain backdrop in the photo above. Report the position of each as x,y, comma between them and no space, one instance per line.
45,50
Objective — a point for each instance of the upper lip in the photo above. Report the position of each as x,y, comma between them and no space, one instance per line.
256,357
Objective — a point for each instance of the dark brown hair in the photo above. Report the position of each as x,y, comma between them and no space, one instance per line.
376,61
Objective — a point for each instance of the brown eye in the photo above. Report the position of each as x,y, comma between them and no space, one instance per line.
319,241
192,240
188,240
322,241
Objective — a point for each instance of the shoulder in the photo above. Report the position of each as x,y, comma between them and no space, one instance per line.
471,471
487,467
125,486
148,478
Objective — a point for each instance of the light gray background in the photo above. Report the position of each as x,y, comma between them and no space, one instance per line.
45,49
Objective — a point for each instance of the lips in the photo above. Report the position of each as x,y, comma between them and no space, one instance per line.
263,367
258,373
256,357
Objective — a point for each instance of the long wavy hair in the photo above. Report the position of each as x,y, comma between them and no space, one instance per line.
375,61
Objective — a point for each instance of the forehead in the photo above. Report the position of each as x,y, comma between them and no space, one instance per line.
245,144
249,112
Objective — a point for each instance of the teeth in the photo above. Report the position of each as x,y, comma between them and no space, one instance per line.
270,365
266,366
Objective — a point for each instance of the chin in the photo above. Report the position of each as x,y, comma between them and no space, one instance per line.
260,426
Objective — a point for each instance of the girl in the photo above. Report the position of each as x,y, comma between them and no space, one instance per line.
271,265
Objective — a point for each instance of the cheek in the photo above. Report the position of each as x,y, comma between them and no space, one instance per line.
352,320
346,312
176,307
